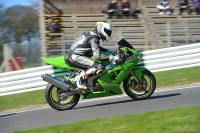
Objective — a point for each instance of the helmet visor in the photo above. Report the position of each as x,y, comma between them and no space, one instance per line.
108,32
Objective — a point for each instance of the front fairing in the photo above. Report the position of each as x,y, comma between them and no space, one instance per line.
132,61
122,69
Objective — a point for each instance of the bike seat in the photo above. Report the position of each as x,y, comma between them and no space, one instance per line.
73,64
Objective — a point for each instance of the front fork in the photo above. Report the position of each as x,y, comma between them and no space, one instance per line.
133,75
137,80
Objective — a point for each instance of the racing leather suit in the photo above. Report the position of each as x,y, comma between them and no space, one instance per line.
85,46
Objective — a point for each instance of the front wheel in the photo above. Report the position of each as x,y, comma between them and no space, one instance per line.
58,99
139,92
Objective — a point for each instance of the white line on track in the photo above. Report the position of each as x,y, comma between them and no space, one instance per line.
95,99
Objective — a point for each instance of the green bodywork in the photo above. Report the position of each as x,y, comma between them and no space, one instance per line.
58,62
110,86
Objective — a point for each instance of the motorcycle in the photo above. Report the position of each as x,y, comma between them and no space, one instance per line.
137,82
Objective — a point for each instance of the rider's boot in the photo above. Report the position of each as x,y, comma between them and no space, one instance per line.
84,75
78,81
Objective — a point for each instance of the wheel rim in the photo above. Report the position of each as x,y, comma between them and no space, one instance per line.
57,100
136,90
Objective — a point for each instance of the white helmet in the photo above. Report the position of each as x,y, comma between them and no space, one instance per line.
104,29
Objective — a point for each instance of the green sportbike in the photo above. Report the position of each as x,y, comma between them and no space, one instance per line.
138,82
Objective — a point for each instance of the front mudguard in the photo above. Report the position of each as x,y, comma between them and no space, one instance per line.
138,72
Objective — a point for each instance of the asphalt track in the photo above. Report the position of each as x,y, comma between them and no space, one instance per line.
99,108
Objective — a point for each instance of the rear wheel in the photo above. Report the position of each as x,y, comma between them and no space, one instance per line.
143,91
58,99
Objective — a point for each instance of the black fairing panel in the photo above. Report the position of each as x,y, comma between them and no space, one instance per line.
124,43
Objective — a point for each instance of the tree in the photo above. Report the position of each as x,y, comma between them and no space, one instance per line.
30,29
21,25
2,35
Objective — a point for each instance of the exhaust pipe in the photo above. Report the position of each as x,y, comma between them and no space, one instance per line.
59,83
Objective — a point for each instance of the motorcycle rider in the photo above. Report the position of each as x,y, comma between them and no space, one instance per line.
85,46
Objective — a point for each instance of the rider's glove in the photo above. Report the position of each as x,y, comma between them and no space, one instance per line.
111,57
111,51
115,58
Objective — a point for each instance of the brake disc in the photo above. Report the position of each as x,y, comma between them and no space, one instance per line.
143,87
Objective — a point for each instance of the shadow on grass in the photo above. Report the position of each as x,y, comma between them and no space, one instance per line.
130,100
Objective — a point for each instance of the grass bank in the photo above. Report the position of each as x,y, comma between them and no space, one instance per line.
180,120
178,77
167,78
22,100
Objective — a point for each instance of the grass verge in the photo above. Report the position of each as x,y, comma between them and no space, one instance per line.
22,100
178,77
180,120
166,78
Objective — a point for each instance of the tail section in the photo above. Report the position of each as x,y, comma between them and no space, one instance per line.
58,62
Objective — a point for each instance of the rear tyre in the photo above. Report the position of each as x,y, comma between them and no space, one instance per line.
133,90
54,98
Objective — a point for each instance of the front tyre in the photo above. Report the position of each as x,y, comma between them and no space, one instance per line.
138,92
54,97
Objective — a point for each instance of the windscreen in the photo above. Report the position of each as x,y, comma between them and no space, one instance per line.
124,43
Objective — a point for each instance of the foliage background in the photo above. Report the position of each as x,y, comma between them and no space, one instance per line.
19,28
